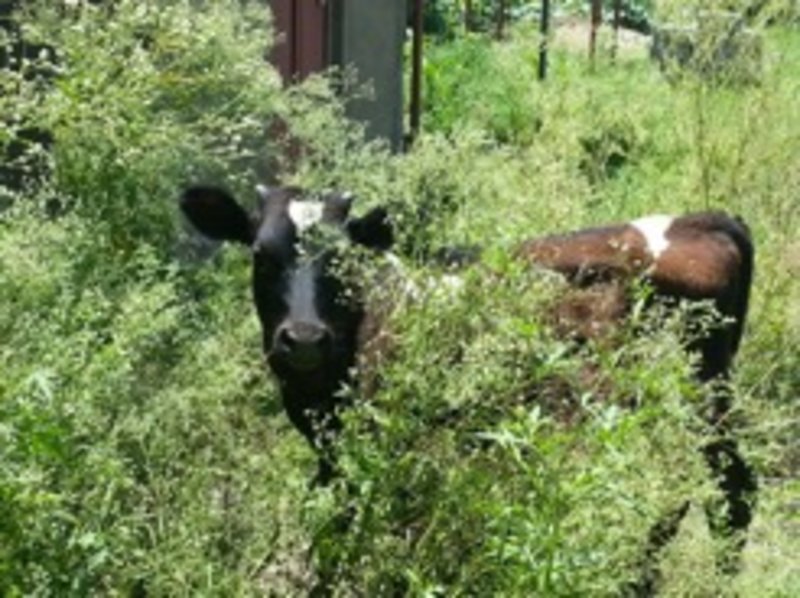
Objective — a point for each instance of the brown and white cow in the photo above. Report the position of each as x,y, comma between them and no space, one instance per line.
697,257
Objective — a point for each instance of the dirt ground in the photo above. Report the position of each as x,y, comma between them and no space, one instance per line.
573,34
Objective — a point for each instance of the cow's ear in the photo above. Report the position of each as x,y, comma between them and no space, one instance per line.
217,215
373,230
337,207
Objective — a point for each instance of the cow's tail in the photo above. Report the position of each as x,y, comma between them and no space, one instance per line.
738,231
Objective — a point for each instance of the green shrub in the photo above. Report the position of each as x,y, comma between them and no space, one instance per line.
147,96
144,450
128,452
488,487
456,93
136,455
454,483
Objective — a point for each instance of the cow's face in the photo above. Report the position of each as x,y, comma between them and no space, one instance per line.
309,310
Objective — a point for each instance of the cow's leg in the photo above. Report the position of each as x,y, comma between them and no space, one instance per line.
737,480
729,521
660,535
326,465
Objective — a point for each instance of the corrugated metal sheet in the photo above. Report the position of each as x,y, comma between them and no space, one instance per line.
302,29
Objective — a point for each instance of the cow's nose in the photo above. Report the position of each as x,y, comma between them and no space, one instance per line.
303,344
299,334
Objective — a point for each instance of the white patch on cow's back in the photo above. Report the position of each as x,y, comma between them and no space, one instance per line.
438,285
305,214
654,230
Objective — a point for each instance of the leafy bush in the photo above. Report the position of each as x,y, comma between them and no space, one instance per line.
144,452
456,94
445,18
456,484
608,149
131,427
144,100
118,472
487,488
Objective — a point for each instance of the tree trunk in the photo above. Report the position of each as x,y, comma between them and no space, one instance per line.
468,16
501,19
597,19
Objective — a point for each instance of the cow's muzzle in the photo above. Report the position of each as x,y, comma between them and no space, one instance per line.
302,345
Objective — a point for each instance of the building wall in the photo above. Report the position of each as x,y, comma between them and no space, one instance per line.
368,35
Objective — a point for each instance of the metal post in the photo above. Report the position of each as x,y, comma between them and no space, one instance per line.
416,70
501,19
544,29
597,19
617,17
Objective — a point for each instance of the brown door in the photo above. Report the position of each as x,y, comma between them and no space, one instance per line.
301,29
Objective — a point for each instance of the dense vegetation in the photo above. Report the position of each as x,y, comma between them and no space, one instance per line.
446,18
144,449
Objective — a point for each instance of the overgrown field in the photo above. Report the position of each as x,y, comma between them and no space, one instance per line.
144,449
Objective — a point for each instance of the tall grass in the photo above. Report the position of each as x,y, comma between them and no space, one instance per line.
135,451
482,490
145,450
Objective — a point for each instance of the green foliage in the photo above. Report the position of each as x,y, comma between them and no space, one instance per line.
135,452
487,488
446,18
144,449
128,454
456,94
608,149
170,97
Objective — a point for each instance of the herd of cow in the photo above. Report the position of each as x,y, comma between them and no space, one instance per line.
313,321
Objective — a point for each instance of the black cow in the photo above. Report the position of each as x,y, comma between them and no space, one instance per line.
311,316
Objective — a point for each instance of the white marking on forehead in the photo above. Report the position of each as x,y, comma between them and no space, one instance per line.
305,214
654,230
